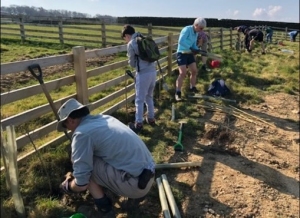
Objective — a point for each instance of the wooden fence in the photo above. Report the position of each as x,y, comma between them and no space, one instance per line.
220,38
78,59
96,34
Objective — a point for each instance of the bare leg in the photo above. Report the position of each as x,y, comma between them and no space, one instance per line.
95,189
263,47
251,44
193,77
181,76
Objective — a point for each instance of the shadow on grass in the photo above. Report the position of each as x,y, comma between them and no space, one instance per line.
36,44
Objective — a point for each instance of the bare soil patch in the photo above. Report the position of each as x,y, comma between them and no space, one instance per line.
8,81
247,170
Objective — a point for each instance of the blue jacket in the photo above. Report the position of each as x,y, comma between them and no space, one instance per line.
187,39
293,33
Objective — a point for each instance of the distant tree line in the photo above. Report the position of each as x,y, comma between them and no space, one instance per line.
211,22
41,12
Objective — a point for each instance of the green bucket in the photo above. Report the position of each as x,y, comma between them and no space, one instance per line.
78,215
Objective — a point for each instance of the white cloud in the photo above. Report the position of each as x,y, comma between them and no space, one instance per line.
232,14
235,13
274,10
271,13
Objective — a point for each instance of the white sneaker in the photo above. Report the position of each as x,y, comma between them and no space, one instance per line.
178,96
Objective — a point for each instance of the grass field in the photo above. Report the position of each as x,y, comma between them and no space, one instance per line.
250,77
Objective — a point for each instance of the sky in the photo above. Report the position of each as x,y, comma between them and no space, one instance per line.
266,10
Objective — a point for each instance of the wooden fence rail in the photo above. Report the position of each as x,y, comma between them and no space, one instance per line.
78,58
99,33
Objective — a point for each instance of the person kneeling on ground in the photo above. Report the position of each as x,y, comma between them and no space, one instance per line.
251,36
105,153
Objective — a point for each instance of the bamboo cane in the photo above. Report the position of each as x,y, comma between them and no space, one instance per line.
163,199
170,197
270,124
177,165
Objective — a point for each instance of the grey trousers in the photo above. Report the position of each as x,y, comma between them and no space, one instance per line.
144,88
118,181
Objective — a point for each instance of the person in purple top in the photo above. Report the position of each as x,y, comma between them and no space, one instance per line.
241,29
202,43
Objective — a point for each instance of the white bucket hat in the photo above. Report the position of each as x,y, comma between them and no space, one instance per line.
65,110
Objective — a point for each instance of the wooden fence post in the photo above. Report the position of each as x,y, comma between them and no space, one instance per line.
221,38
60,32
14,172
103,34
150,29
286,33
209,41
22,30
4,156
231,38
239,42
80,74
170,51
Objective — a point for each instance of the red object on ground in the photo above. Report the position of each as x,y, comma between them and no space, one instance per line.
215,64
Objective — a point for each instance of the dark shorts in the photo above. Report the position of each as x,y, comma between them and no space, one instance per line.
185,59
260,37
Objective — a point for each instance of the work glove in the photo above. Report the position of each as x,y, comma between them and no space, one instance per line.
195,51
198,51
65,184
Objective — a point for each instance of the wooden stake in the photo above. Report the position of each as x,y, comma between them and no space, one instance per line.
5,158
163,199
170,197
177,165
14,172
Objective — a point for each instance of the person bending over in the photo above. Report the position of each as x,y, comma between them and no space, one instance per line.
105,153
251,36
187,48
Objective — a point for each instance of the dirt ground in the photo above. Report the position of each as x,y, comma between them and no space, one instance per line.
247,170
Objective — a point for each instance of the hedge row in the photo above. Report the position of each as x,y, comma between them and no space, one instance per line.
211,22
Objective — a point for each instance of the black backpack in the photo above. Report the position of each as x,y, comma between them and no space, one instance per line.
218,88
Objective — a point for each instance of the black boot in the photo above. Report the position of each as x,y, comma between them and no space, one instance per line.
105,206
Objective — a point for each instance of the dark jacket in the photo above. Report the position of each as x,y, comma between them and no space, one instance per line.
253,34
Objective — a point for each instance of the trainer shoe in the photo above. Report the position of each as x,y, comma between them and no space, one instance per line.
178,96
194,90
150,121
205,68
135,127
